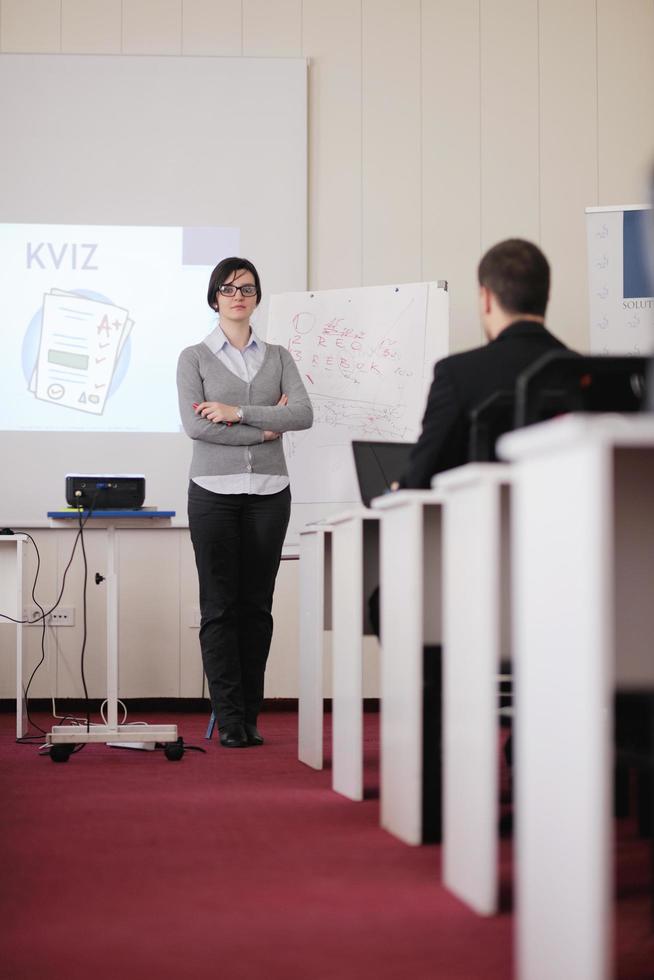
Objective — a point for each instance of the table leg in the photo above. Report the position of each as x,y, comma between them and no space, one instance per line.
563,678
402,673
471,619
112,630
347,660
311,666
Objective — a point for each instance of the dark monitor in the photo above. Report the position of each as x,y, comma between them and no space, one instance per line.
563,381
488,421
378,464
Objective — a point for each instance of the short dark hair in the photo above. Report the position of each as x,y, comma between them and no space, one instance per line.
223,271
518,274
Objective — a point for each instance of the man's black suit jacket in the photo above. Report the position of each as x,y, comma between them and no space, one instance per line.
461,382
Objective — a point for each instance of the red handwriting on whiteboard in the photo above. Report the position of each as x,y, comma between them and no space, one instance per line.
332,328
386,349
333,347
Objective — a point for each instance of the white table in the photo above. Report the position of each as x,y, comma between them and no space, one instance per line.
62,738
12,557
476,637
355,574
410,562
315,618
583,569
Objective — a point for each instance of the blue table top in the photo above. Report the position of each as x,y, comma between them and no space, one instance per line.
72,513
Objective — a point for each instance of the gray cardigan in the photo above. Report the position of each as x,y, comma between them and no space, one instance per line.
219,449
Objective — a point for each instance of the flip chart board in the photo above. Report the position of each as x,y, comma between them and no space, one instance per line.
366,357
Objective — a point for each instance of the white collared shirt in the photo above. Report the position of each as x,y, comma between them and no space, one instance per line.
244,364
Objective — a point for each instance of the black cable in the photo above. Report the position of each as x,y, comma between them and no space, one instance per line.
82,524
86,576
187,747
31,622
26,690
29,739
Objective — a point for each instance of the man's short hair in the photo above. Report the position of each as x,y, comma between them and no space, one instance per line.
518,274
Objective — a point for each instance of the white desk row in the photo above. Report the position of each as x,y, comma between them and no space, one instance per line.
550,559
339,568
340,565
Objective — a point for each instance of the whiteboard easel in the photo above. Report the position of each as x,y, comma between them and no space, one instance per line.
366,357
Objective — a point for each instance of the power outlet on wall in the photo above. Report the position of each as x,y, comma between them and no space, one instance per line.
61,616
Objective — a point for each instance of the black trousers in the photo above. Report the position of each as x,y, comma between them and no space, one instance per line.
237,539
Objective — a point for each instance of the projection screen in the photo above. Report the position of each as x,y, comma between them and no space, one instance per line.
125,180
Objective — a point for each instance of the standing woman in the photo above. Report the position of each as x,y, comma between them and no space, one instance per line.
237,394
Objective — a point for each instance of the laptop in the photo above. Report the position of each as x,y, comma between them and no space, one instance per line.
378,464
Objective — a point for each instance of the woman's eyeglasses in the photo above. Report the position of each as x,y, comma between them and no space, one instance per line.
228,289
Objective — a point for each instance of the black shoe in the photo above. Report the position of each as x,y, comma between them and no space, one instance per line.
233,737
253,734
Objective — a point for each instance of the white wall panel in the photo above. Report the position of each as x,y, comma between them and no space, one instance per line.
625,60
332,41
7,660
190,659
69,640
272,28
451,161
91,26
509,124
148,625
212,27
568,114
391,100
152,26
282,669
30,25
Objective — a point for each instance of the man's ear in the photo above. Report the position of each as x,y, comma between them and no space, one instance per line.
485,299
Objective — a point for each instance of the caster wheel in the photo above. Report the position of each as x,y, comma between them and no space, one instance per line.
174,750
61,753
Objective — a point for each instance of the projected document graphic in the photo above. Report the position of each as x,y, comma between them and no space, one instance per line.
94,318
80,344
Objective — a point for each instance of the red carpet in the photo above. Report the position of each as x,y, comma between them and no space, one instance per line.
241,864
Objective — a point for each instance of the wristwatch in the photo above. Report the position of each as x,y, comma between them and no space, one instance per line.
239,414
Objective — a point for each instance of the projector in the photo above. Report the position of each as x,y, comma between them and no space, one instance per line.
125,491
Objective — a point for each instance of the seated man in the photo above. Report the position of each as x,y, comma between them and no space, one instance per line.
514,282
